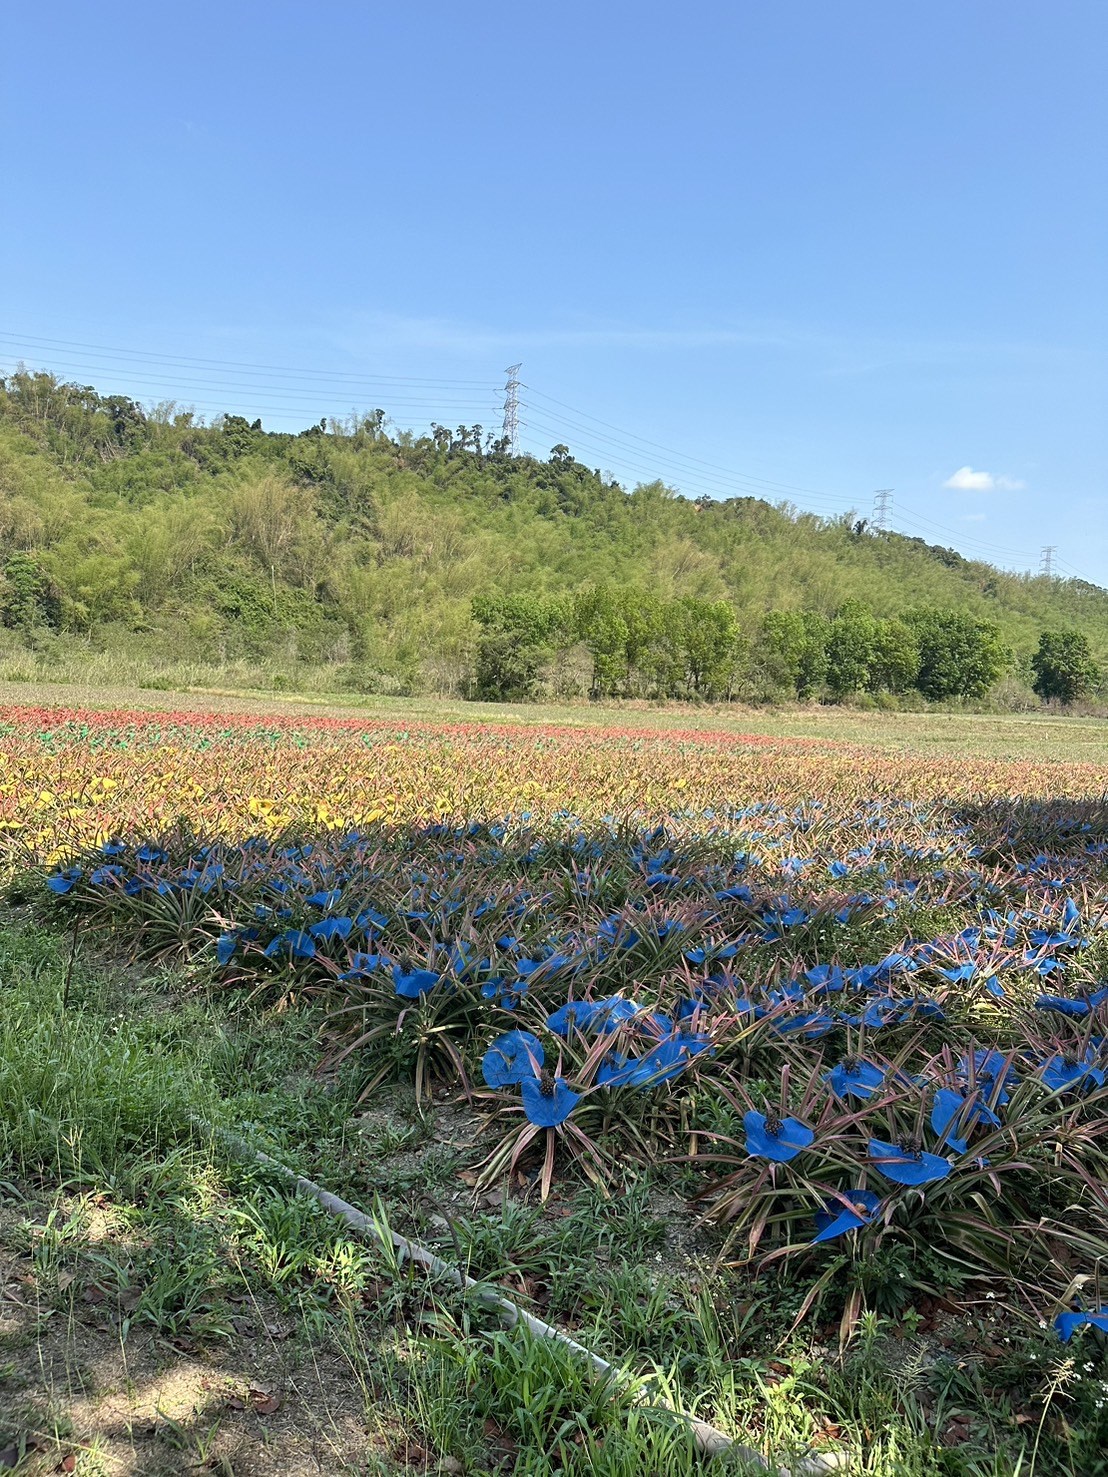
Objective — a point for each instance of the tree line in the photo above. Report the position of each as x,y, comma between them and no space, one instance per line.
630,643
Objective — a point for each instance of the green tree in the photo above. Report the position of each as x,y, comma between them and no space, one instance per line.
95,588
519,636
895,658
170,539
959,656
602,624
710,645
1063,666
271,520
651,644
852,649
505,669
792,650
27,597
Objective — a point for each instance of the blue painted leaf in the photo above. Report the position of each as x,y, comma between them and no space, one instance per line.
293,942
1067,1324
907,1166
411,984
511,1058
855,1078
331,928
837,1218
779,1139
547,1100
63,882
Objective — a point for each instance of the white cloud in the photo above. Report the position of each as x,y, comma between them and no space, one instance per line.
965,479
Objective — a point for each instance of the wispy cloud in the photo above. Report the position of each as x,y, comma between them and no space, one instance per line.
447,335
973,517
965,479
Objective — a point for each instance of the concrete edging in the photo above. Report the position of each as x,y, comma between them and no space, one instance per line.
709,1440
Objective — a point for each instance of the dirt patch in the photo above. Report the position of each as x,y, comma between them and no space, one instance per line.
274,1395
257,1404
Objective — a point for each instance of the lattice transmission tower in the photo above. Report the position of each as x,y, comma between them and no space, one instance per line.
1046,560
510,432
882,500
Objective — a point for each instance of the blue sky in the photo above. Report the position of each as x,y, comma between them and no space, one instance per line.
789,247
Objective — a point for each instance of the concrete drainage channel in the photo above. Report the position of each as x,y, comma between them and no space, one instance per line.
709,1440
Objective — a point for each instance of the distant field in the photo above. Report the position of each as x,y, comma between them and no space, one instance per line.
998,736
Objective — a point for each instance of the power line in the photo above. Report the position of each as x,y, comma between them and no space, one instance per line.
736,482
609,447
613,448
918,520
681,456
236,364
690,470
713,487
688,473
286,398
416,395
685,464
1075,573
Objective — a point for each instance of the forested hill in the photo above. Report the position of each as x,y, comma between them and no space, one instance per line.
408,563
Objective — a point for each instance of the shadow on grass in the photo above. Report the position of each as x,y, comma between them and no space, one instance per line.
1022,830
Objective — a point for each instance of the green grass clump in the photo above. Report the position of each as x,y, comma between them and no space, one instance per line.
87,1094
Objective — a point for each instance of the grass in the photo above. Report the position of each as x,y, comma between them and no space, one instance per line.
1046,735
166,1308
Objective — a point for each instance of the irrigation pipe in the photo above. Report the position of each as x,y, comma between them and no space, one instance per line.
708,1439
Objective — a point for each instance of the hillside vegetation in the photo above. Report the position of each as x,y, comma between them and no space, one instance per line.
354,556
